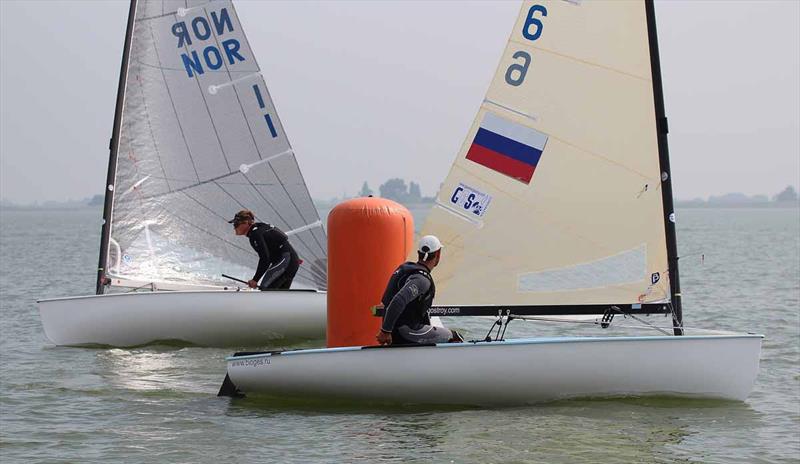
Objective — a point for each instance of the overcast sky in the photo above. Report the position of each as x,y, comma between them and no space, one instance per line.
400,81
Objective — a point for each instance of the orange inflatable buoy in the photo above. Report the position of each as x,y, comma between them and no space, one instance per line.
367,239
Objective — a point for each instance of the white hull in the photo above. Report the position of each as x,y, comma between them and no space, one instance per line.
205,318
510,372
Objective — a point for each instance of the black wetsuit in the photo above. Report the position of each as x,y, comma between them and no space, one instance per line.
277,260
407,299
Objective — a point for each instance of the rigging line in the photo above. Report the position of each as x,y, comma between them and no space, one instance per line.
177,179
182,70
151,285
616,308
594,322
150,128
174,110
578,60
253,138
213,179
205,103
206,207
236,200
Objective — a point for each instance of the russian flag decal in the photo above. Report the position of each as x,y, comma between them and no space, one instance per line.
507,147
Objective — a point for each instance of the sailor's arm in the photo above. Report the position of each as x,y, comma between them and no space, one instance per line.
263,257
415,286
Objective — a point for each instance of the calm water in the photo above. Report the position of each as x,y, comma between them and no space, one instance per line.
158,404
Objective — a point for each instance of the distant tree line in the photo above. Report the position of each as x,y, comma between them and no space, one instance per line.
397,190
787,197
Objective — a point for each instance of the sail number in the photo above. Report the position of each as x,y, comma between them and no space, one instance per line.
532,21
515,74
470,200
531,30
201,30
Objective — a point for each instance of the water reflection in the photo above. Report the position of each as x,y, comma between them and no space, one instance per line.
159,369
656,429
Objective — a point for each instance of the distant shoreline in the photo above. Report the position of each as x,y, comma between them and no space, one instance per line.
678,205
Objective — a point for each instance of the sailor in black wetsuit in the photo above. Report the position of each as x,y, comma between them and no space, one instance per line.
277,260
408,297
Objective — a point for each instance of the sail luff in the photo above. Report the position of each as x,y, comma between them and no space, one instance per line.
666,174
113,152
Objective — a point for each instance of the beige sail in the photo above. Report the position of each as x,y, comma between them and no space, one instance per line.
580,220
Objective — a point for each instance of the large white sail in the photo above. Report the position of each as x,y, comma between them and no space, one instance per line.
555,196
200,139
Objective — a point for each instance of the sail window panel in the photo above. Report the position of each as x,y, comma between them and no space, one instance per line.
610,34
627,267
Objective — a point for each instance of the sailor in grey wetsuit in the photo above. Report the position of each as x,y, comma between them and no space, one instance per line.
277,260
408,297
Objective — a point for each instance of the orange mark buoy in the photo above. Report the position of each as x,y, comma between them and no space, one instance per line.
367,239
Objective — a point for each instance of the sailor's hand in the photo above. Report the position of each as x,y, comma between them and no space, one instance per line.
376,308
384,338
252,283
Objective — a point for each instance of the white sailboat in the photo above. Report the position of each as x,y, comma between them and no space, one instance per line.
196,137
559,203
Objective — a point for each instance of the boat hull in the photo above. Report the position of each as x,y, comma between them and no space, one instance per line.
218,318
509,372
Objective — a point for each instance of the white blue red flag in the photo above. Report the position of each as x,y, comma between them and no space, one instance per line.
507,147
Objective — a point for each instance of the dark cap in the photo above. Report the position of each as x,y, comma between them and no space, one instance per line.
244,215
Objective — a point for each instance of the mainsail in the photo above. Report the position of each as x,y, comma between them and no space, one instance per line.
560,194
197,138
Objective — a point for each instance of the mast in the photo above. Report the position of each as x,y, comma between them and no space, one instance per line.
666,175
113,150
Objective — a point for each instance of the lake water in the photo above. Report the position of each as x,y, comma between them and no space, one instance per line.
158,404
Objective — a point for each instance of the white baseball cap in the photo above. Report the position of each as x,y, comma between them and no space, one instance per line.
429,244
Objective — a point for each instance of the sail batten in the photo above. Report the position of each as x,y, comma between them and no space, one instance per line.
200,139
